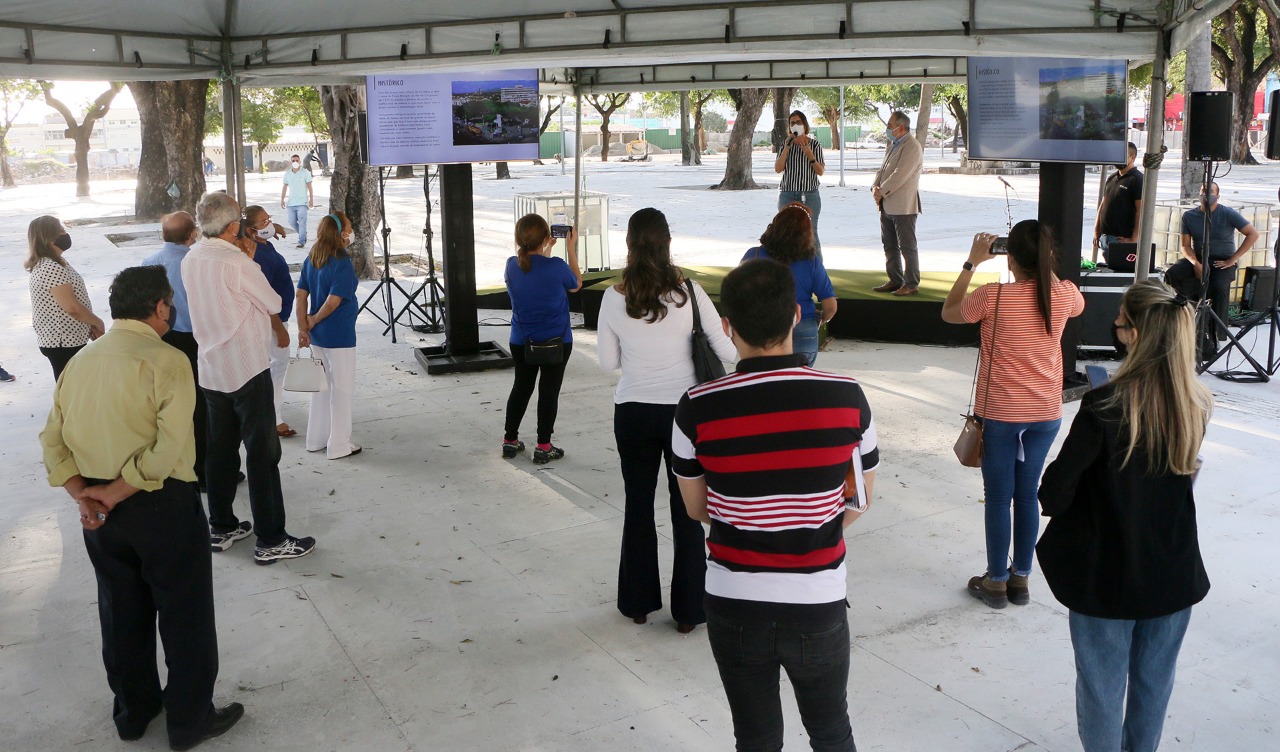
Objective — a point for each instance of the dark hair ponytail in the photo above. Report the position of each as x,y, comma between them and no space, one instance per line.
1031,248
650,275
531,232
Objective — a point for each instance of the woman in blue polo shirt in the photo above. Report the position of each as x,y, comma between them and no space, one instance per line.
539,286
327,324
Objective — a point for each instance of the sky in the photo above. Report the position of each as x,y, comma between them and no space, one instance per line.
75,94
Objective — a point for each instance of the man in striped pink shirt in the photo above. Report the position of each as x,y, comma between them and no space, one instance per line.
231,304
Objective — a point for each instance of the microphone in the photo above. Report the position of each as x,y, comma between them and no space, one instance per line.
1006,182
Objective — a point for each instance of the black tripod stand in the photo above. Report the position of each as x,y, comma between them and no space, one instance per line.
1208,322
388,284
1270,318
430,287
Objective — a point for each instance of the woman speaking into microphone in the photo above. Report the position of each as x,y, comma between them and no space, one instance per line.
800,163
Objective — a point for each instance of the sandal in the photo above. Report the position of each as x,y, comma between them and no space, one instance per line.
286,431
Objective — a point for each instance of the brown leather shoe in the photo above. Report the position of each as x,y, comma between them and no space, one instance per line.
886,287
990,592
904,290
1019,593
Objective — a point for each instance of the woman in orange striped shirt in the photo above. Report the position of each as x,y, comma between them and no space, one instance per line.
1019,394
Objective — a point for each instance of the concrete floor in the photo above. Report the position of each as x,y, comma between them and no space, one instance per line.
458,601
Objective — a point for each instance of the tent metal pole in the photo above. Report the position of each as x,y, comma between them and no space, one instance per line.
228,135
1155,147
564,158
840,128
577,160
241,194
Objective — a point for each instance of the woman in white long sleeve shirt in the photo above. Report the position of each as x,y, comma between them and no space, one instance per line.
646,326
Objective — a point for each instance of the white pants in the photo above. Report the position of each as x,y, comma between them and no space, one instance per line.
279,364
329,420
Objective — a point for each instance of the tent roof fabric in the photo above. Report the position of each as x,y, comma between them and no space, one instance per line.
767,41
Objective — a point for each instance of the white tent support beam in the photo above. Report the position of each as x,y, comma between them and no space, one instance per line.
1155,145
577,162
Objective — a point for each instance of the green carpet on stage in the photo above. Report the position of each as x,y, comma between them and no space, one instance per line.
850,284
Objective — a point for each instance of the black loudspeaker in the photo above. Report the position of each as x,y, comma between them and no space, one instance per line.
1259,288
1273,132
362,124
1209,126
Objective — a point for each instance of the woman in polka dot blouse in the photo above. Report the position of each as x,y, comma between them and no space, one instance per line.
61,312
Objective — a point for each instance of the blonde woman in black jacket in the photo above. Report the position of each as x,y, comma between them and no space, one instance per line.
1121,550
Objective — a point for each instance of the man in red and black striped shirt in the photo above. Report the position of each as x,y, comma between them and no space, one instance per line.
778,458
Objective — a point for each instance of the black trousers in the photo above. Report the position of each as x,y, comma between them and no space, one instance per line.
643,433
548,379
1182,278
152,559
186,342
246,415
59,356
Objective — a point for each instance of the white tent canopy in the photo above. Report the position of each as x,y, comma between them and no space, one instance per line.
619,44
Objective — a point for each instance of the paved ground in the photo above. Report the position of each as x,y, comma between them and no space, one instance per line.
461,602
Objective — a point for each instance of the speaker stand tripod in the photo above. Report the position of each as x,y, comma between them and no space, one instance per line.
1208,322
388,284
1269,318
430,288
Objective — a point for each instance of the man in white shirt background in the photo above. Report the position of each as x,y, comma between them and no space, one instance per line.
296,196
231,303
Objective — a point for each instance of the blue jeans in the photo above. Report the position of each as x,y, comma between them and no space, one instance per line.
815,655
1013,456
811,199
298,221
1109,651
804,339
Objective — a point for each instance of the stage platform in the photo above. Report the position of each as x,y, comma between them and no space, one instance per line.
862,314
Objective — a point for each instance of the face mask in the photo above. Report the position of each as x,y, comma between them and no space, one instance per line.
62,242
173,315
1210,200
266,232
797,129
349,239
1122,350
296,164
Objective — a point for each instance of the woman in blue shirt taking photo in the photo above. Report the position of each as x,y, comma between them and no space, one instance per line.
327,324
541,339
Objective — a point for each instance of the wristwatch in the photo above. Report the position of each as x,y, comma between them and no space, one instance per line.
968,266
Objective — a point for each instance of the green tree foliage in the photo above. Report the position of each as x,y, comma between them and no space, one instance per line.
1246,38
714,122
606,104
15,93
264,118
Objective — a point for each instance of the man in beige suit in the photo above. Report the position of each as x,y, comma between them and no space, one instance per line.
896,190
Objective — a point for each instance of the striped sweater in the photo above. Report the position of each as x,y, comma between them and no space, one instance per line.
774,441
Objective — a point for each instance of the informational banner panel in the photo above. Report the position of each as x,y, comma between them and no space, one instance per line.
443,118
1048,109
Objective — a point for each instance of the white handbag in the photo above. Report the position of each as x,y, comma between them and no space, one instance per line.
304,374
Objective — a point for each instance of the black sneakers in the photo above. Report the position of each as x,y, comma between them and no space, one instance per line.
543,456
511,449
223,541
289,548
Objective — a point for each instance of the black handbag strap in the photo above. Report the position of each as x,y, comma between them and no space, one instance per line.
693,300
973,391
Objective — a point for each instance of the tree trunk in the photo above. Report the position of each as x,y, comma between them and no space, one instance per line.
604,136
504,171
926,114
686,147
6,175
82,159
1243,116
172,115
782,97
404,171
832,116
699,138
354,186
956,105
737,170
1198,78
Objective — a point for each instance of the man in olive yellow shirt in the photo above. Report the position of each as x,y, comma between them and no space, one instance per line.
120,441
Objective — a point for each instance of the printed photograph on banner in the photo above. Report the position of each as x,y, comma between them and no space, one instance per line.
495,112
1083,102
